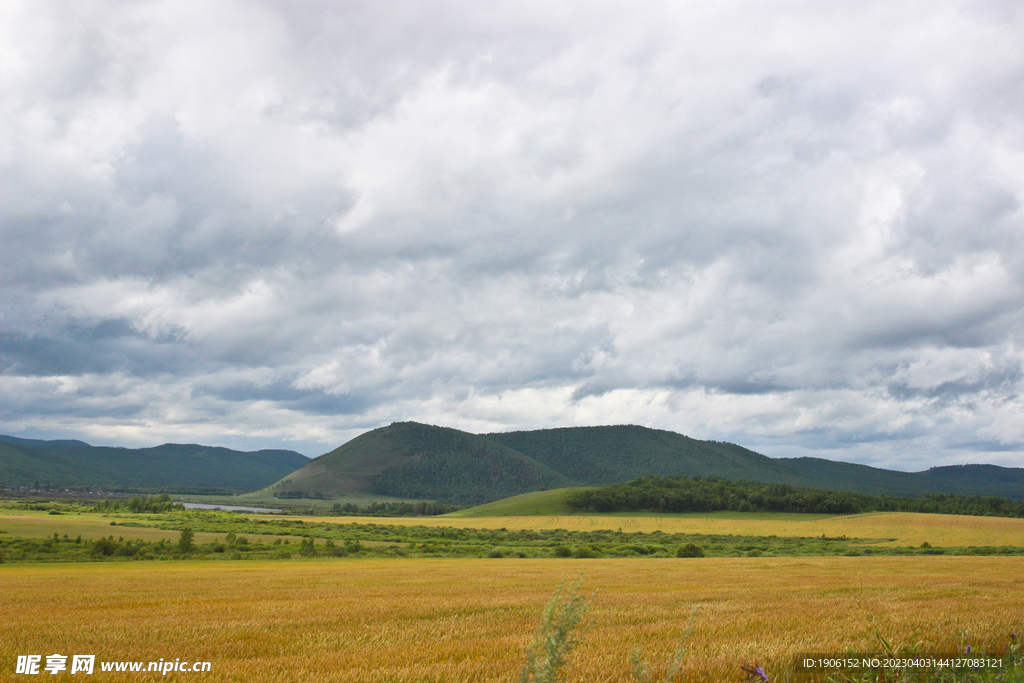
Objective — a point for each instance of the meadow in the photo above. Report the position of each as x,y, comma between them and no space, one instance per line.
59,532
885,528
469,620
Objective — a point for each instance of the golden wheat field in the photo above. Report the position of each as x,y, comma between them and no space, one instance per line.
891,528
469,620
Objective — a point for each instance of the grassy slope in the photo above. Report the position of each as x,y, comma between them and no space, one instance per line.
536,503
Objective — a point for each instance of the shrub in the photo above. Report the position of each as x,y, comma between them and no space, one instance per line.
690,550
104,546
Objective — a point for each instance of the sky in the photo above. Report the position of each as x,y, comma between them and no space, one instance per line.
795,226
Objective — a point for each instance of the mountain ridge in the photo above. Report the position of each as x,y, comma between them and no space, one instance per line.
72,464
413,460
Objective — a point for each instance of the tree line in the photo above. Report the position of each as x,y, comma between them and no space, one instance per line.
394,509
708,494
161,503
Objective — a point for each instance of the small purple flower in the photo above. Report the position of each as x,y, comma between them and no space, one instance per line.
968,649
754,673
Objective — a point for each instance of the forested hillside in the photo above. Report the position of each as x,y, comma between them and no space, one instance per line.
603,455
413,461
417,461
72,464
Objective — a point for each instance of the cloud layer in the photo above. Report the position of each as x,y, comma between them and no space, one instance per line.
796,226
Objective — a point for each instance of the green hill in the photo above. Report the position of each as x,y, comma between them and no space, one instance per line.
605,455
75,464
416,461
964,479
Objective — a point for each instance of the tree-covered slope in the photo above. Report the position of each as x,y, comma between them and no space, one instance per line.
965,479
604,455
412,460
845,476
30,462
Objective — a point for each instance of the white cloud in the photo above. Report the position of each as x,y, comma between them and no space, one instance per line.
796,226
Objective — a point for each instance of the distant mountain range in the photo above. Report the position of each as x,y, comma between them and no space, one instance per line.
174,467
418,461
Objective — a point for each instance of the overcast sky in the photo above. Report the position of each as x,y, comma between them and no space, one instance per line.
796,226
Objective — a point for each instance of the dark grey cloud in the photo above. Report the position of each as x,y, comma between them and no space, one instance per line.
795,226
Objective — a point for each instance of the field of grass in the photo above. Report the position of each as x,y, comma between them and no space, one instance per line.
90,526
469,620
720,534
888,528
536,503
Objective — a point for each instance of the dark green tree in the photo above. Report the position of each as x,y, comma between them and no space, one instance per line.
185,544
